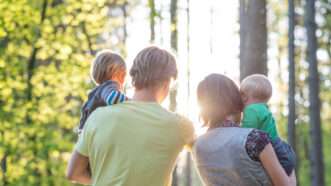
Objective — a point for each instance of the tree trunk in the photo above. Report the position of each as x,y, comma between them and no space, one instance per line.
30,73
253,37
291,131
33,57
152,14
291,69
188,155
4,169
174,46
188,176
125,32
188,71
316,151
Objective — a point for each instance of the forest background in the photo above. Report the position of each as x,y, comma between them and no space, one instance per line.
46,47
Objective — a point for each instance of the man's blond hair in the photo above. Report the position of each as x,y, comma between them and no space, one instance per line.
106,66
152,66
257,86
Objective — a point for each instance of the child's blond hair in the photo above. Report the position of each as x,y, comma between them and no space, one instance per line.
256,86
106,66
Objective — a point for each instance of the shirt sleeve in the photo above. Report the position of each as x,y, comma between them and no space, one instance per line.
187,131
83,141
112,96
250,119
255,143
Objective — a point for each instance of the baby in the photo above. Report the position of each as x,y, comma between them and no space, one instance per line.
256,90
108,72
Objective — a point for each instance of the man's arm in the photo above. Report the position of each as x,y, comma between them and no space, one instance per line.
78,169
187,131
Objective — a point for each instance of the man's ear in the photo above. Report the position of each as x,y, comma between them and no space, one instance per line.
166,85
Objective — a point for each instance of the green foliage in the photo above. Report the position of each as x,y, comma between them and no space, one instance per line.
45,49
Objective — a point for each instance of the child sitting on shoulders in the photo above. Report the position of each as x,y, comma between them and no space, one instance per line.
108,72
256,90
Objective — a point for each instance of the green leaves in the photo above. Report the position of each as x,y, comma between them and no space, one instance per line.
37,134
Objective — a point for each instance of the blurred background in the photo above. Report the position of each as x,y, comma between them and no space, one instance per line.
46,48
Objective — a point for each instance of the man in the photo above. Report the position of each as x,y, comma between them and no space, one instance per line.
137,142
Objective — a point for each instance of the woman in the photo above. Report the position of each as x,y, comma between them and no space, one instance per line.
229,155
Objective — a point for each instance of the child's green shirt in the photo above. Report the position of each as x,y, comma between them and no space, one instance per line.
258,116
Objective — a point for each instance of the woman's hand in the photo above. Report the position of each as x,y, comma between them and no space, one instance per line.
274,169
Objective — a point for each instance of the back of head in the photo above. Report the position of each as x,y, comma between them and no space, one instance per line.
256,86
106,66
218,97
152,67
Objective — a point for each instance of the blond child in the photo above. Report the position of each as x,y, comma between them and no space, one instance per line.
256,90
108,72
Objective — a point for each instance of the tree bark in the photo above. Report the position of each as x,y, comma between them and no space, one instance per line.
30,72
174,46
152,14
3,163
188,155
291,131
253,37
291,69
125,32
33,57
316,151
173,25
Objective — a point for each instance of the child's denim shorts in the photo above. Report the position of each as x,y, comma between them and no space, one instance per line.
285,155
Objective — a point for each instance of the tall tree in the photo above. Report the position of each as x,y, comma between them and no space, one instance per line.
253,37
152,15
124,8
291,75
174,46
188,171
316,151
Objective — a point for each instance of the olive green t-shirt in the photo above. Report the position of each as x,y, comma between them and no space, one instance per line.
258,116
133,144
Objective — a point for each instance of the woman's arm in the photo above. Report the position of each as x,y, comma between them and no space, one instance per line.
78,169
293,179
270,162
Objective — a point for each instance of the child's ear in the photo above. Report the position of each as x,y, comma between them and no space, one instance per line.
244,97
121,77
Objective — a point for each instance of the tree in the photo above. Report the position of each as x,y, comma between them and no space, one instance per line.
124,8
188,175
174,46
291,75
152,15
253,37
316,151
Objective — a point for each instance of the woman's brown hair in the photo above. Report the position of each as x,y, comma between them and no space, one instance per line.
218,97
